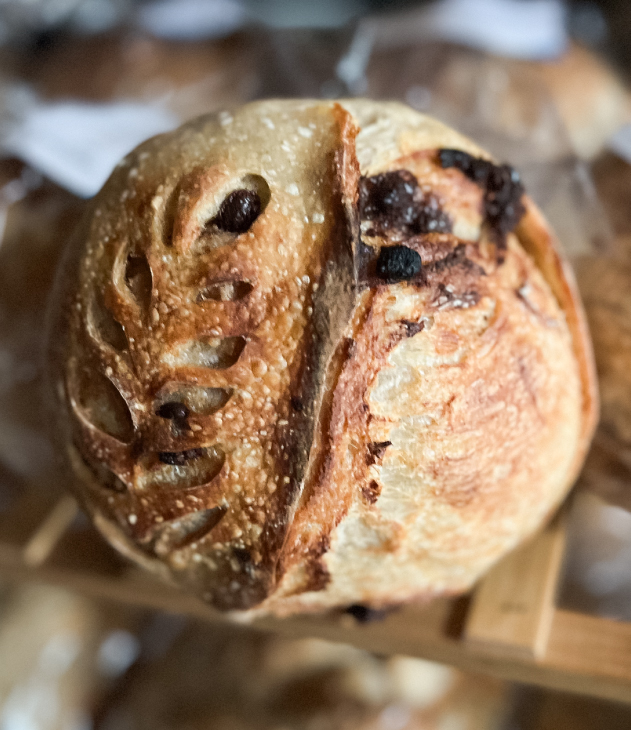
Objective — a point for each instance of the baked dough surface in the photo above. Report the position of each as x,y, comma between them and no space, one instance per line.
252,410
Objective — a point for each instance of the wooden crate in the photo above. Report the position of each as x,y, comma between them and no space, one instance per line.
509,627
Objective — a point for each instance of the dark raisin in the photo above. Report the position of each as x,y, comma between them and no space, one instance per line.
397,263
177,413
180,458
371,491
242,555
455,158
173,409
412,328
503,205
364,614
394,200
503,190
389,198
376,450
296,404
238,211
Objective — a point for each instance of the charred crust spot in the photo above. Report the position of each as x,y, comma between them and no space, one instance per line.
238,211
371,491
297,404
412,328
394,200
503,191
376,450
364,614
398,263
180,458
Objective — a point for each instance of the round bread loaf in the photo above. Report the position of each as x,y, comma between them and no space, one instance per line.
312,355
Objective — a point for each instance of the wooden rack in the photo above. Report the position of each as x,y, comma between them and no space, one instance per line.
509,627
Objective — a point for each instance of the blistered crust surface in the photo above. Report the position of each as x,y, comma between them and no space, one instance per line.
191,375
451,446
276,415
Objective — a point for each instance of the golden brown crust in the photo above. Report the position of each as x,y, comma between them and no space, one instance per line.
540,243
246,356
252,409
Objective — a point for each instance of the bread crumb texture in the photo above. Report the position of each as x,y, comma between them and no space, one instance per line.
309,355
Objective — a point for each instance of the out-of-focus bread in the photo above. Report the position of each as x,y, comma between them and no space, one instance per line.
189,78
540,110
590,97
287,401
606,288
213,679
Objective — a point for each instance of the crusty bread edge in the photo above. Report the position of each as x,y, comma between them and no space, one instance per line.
533,233
538,240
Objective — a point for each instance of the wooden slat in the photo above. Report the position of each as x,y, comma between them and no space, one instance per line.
585,654
48,534
594,648
513,607
600,667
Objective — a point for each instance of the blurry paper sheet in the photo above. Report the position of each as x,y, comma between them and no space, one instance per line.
534,29
77,144
191,19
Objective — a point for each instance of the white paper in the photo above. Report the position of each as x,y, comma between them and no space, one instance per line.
77,144
533,29
620,143
191,19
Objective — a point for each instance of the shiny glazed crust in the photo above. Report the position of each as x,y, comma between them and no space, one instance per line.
260,417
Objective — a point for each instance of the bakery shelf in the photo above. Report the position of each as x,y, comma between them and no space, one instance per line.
509,628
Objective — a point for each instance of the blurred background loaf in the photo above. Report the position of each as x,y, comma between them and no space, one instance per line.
117,71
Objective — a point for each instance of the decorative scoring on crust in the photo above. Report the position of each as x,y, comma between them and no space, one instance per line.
208,283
